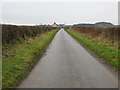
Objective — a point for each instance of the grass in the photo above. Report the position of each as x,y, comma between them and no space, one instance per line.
107,52
19,59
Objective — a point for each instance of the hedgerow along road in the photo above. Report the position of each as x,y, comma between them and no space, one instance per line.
66,64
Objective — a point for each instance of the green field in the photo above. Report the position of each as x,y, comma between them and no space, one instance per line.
19,59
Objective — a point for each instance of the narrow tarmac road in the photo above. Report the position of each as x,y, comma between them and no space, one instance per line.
66,64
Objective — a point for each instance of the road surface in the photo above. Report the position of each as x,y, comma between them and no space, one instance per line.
66,64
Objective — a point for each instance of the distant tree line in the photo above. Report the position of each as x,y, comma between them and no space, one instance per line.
96,24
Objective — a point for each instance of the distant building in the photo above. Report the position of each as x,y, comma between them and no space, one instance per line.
54,25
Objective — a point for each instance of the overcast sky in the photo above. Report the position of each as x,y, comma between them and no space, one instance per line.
59,12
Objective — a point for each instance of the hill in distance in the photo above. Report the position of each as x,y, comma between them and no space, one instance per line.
96,24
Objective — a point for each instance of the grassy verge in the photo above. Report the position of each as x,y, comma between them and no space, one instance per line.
19,59
107,52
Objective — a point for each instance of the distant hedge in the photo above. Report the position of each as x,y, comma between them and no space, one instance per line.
13,33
